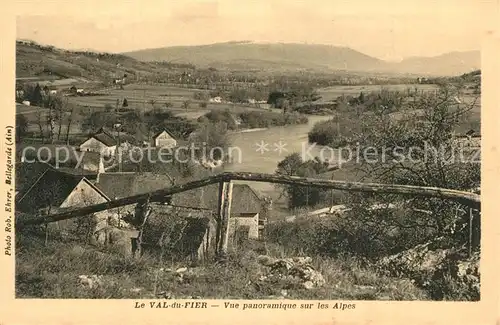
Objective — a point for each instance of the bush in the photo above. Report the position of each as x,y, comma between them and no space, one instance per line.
256,119
217,116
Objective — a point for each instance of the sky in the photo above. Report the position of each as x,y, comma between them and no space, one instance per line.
386,29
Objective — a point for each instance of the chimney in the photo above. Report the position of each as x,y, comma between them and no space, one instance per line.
101,168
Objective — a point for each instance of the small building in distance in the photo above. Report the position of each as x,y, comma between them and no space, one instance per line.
468,140
101,142
164,139
216,99
105,142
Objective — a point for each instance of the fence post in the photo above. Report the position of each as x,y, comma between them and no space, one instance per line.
220,212
225,208
471,216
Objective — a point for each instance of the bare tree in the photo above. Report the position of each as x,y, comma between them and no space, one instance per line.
70,118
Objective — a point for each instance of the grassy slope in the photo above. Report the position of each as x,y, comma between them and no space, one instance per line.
52,272
37,61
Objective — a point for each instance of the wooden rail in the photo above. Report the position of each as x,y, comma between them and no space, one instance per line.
467,198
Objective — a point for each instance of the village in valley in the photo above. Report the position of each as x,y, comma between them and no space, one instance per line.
96,128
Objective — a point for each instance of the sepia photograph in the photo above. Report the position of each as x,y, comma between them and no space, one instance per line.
281,153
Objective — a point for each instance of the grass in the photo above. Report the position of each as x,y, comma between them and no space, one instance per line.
52,270
332,93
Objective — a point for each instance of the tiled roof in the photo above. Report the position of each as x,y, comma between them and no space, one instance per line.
51,189
244,199
119,185
41,185
27,174
105,138
158,133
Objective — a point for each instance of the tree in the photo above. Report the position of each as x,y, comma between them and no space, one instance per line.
419,149
71,109
108,108
92,121
22,125
300,196
186,104
284,104
152,102
56,114
160,120
39,121
211,139
35,95
274,97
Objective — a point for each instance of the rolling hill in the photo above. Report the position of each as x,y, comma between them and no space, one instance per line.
249,55
453,63
41,62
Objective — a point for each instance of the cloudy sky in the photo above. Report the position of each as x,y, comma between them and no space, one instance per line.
387,29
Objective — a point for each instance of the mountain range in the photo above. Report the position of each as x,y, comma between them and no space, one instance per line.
289,56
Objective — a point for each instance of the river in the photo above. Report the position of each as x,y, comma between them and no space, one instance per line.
293,139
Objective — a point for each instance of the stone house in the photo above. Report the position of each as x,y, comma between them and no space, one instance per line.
101,142
105,143
164,139
198,226
246,207
45,189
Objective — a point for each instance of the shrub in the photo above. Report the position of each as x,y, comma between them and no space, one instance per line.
257,119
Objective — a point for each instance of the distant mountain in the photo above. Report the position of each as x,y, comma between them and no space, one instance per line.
278,56
248,55
453,63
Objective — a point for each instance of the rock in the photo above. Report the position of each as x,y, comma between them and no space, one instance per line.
302,260
291,272
265,260
436,270
181,270
308,285
92,281
136,290
165,295
365,288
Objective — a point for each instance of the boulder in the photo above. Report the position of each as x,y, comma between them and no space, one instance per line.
296,271
444,273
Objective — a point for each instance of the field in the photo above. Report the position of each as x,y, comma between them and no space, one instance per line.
331,93
139,96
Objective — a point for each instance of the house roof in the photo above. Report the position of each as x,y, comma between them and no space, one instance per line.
27,174
244,199
105,138
158,133
51,189
120,185
88,174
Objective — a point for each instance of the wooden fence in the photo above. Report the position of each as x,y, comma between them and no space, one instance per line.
225,181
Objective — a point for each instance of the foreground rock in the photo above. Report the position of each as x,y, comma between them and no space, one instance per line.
444,273
291,272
